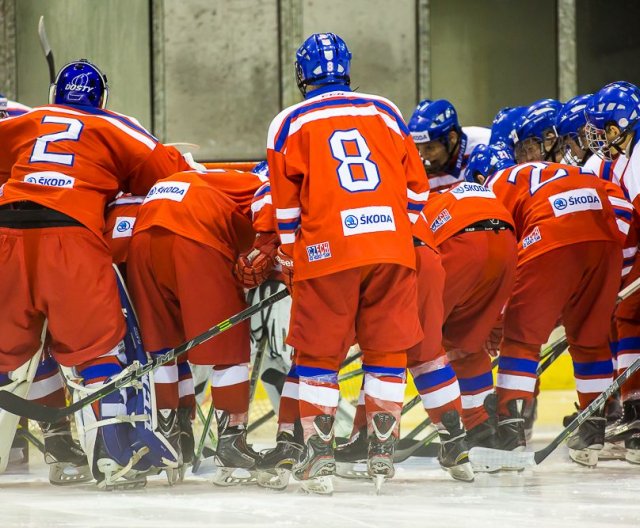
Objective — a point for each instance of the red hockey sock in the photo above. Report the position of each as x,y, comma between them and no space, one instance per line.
230,391
476,383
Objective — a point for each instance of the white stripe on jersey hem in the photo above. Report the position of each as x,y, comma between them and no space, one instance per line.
413,217
623,226
619,202
127,130
259,204
230,376
291,213
287,238
318,394
629,252
626,271
417,197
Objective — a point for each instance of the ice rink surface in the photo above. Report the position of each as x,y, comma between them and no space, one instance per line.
558,493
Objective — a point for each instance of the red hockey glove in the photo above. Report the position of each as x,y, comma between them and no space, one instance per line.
286,262
253,267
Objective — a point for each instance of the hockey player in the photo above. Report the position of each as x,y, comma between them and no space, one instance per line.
532,142
612,135
503,126
443,144
187,236
566,229
349,236
486,160
61,163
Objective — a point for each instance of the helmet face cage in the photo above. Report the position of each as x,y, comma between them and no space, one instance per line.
597,141
80,83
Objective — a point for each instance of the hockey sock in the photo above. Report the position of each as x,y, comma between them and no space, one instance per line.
47,387
517,376
476,383
289,410
319,394
593,370
383,392
186,389
438,387
628,352
166,383
230,391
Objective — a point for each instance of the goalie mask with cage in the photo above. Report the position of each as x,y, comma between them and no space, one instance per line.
536,138
611,115
80,83
570,126
322,59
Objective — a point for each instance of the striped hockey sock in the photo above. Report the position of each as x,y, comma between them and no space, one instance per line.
318,393
438,387
230,391
289,410
476,383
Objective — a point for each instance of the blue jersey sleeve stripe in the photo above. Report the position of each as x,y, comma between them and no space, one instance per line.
288,226
623,213
263,191
415,206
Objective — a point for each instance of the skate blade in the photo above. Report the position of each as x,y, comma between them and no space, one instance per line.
234,476
64,474
318,485
117,477
378,482
276,479
612,451
352,470
175,475
632,456
461,472
585,457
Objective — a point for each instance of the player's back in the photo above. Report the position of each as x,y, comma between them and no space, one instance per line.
449,212
348,155
554,205
210,207
75,160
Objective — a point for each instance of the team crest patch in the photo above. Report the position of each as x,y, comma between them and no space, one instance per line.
531,238
440,220
319,251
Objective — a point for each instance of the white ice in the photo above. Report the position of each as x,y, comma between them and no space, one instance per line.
557,493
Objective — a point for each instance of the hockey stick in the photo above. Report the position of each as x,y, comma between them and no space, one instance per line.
43,413
46,49
492,458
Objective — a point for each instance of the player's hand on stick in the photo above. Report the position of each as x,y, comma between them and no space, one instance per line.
286,261
253,267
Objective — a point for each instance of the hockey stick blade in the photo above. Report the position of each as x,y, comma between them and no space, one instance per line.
483,456
46,49
43,413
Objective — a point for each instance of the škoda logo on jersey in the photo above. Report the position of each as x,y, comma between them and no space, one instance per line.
167,190
124,227
575,201
367,220
467,190
50,179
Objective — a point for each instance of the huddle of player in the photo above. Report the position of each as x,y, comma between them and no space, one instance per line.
521,236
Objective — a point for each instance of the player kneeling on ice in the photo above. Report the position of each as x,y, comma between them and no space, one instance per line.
346,181
61,163
190,229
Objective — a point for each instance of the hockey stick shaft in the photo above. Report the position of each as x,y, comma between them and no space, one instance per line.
46,49
43,413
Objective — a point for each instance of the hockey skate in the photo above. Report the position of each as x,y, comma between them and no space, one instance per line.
187,441
624,433
485,434
235,459
511,428
351,457
454,453
585,443
111,476
67,461
318,464
274,466
169,427
382,445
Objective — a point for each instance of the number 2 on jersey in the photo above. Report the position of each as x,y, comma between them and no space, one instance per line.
72,133
340,142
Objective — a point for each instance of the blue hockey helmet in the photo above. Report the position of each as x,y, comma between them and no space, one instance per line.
570,126
625,85
484,160
433,120
262,170
504,123
3,106
612,105
322,59
537,125
80,83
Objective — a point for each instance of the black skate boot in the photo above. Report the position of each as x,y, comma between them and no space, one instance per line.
187,441
454,453
511,431
530,414
67,461
351,458
236,460
318,462
623,433
382,445
485,434
585,443
613,409
274,466
632,448
169,428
